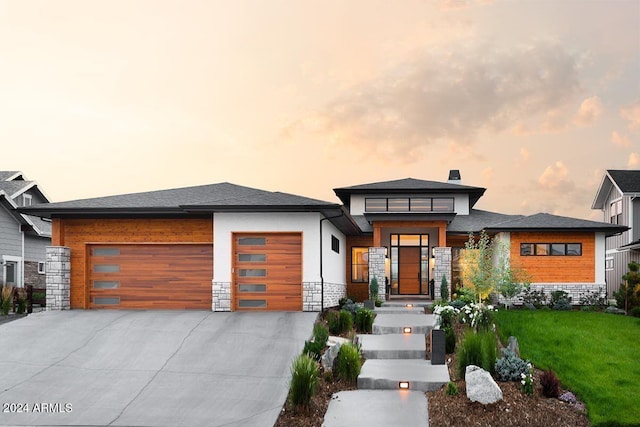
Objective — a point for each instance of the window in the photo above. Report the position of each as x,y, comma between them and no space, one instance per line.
102,284
608,264
252,257
106,300
550,249
252,241
335,244
26,200
41,268
616,212
360,264
409,204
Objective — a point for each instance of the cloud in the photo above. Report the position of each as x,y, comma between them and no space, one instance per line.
632,113
447,95
524,154
556,177
487,174
620,140
634,161
589,112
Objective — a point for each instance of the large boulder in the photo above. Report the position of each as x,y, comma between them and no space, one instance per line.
481,387
614,310
334,344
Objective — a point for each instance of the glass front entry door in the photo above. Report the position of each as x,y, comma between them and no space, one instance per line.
410,264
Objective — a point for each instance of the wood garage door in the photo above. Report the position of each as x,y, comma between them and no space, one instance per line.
267,271
151,276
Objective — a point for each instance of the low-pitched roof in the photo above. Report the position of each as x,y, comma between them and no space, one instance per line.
409,185
477,220
199,199
549,222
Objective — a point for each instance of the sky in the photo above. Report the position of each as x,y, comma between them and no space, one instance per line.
531,99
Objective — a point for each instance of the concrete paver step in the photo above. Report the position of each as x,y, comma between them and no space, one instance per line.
400,310
395,323
393,346
404,303
387,374
377,408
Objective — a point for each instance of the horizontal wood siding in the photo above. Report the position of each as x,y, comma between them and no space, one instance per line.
556,269
154,276
77,233
358,290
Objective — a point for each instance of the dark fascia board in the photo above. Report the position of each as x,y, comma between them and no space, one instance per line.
475,193
45,212
410,216
609,231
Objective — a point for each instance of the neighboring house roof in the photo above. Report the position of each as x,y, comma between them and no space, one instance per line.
409,185
635,245
548,222
12,185
14,188
626,181
205,198
10,175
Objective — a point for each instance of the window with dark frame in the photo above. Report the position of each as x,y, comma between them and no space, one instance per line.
335,244
616,212
409,204
550,249
360,264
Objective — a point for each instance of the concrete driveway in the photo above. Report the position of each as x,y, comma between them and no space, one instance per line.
148,368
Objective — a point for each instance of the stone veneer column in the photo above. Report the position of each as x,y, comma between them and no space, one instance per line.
377,270
442,268
311,296
221,296
58,277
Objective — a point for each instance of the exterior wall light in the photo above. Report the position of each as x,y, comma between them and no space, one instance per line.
409,305
403,385
406,330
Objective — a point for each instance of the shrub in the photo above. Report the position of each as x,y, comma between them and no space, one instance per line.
348,363
320,334
476,348
510,367
533,297
333,320
313,349
635,312
343,301
452,389
465,295
444,288
21,295
346,321
527,381
449,340
373,289
457,304
478,316
550,384
304,380
351,307
6,295
560,300
594,298
447,313
364,320
631,296
378,302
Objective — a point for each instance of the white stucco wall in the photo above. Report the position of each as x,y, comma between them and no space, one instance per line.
225,224
599,257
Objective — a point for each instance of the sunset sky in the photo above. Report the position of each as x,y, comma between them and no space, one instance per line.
531,99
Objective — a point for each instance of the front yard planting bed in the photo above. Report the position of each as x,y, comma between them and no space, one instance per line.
594,354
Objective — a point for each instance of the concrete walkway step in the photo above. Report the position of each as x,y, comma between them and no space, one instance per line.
395,323
377,408
387,375
404,303
399,310
393,346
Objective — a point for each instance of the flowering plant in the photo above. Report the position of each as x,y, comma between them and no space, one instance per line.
447,313
478,316
527,380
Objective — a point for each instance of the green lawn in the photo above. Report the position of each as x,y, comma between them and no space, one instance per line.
596,355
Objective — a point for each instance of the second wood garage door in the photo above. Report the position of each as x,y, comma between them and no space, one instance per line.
150,276
267,271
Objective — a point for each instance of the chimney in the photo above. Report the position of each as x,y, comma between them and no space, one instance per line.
454,177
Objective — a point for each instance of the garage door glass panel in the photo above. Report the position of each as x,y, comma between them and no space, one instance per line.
106,268
106,251
252,288
252,257
106,300
252,272
101,284
252,303
252,241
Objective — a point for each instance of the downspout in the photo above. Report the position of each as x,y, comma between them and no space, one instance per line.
22,262
321,256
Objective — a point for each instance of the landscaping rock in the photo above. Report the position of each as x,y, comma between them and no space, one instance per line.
530,306
334,344
513,345
614,310
481,387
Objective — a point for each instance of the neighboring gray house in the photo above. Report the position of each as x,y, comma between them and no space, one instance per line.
23,238
618,197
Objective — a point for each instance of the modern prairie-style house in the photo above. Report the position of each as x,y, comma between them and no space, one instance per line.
23,238
227,247
618,197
